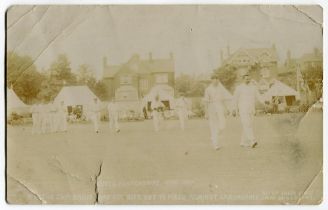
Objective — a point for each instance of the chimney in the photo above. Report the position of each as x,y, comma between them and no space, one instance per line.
150,56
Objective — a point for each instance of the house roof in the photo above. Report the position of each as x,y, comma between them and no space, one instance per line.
158,65
75,95
141,66
255,54
280,89
110,70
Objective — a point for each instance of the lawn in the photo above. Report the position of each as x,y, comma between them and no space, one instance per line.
140,166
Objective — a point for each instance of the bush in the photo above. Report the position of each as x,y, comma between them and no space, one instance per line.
198,107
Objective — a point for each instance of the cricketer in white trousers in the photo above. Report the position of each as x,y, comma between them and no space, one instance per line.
62,118
53,118
181,106
245,97
157,115
36,129
215,97
45,118
95,115
113,116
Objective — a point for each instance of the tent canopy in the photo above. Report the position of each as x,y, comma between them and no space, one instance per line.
280,89
75,95
13,101
165,93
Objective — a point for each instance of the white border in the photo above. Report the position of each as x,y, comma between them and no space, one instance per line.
4,4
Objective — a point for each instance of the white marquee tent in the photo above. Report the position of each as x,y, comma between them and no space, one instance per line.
165,93
280,89
75,95
14,104
13,101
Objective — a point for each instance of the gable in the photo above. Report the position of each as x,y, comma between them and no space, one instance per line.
110,71
137,66
125,70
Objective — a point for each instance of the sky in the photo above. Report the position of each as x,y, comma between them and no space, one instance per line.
194,34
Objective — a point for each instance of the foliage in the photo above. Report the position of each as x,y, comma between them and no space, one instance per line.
32,85
314,77
23,77
60,69
227,75
189,85
58,75
85,76
255,71
100,90
198,107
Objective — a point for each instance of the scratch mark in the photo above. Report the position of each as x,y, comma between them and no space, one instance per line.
308,16
28,189
309,186
96,183
48,45
61,169
39,20
18,19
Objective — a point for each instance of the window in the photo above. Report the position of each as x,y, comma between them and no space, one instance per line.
144,84
162,78
125,80
126,93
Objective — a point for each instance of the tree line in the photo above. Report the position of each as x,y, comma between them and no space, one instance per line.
33,85
192,86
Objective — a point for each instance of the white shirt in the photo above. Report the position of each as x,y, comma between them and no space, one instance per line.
245,97
95,107
215,96
181,103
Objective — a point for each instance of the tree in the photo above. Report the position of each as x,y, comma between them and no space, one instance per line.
60,70
183,83
190,85
100,90
313,77
58,75
227,75
197,88
23,77
84,74
255,71
50,87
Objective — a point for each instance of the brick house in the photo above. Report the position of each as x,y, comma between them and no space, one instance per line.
266,58
137,78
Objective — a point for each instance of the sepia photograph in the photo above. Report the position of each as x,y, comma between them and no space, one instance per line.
164,104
